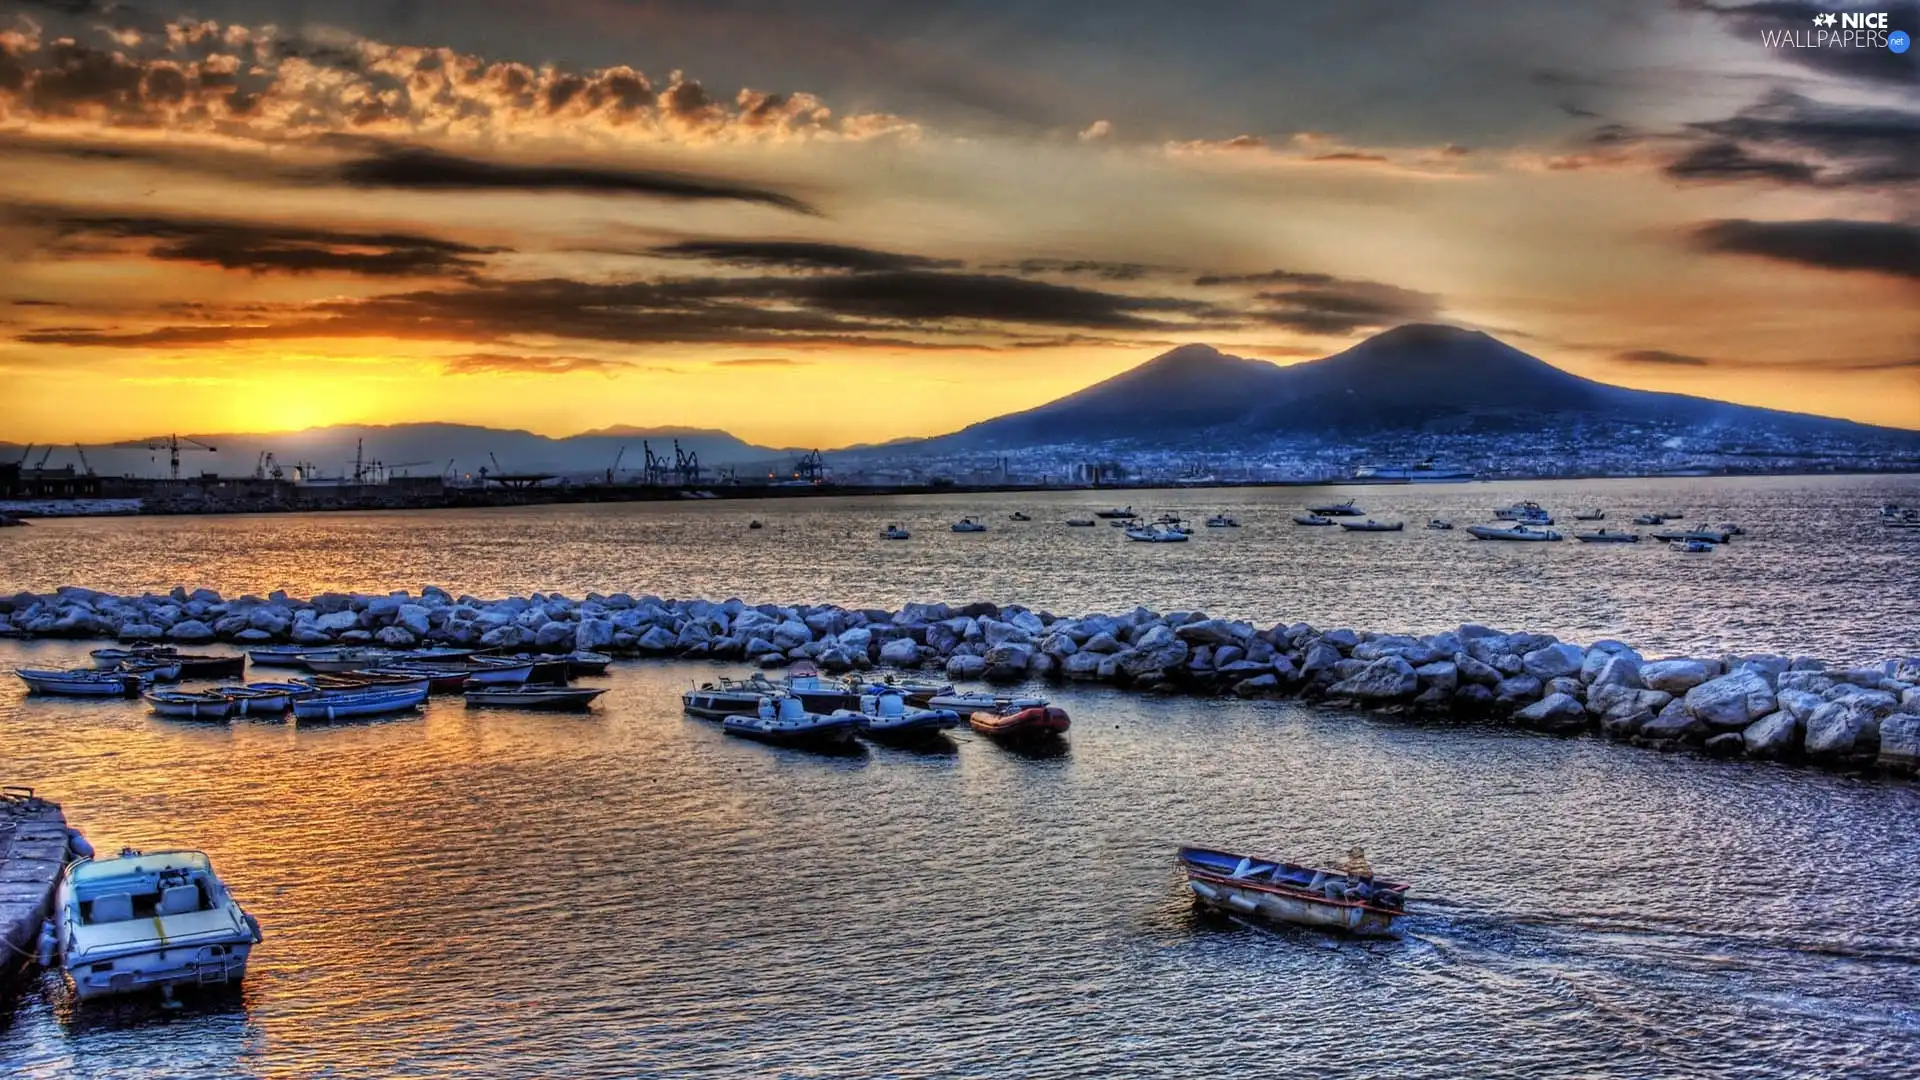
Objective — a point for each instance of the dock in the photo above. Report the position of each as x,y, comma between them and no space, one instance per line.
33,852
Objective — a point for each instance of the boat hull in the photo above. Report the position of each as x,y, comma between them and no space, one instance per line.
718,705
1036,722
346,706
825,732
554,700
191,706
53,684
1211,878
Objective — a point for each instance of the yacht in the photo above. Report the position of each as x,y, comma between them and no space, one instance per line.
1521,531
1426,472
149,922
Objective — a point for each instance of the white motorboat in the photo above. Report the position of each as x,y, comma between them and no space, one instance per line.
1293,893
1156,534
727,697
1311,519
783,721
968,525
1692,547
887,717
549,698
1591,514
895,532
1117,512
1518,532
1530,512
1371,525
964,703
1439,524
1705,535
80,682
149,922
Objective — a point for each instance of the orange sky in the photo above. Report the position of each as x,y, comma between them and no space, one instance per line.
208,229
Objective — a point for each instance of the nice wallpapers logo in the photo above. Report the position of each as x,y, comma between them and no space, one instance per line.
1842,30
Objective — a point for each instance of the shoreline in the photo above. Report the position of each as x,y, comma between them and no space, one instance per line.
375,497
1761,706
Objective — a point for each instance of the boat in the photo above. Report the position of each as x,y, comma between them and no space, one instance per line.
373,701
727,697
1016,723
895,532
109,658
1709,536
1692,547
1902,523
1371,525
80,682
496,671
1521,531
346,659
916,691
1080,523
1426,472
968,525
886,717
546,668
194,666
1174,522
149,921
190,705
755,524
1891,510
1650,519
1222,521
1287,892
974,700
1439,524
1733,530
817,693
783,721
1156,534
1530,512
588,662
554,698
153,669
261,699
1591,514
440,680
278,656
1018,516
1345,509
347,682
1311,519
1607,536
1117,512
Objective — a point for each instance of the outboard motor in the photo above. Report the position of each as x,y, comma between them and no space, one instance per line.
792,711
77,846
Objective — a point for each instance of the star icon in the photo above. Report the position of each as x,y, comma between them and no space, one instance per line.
1830,18
1819,20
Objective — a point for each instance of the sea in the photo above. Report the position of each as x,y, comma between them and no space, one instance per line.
631,893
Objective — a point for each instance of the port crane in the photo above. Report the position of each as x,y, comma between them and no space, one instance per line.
655,471
172,444
686,465
267,467
809,468
84,464
616,464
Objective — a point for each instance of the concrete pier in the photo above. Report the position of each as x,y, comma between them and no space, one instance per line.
33,851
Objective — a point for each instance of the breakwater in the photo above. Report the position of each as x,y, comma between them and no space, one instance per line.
1759,705
33,850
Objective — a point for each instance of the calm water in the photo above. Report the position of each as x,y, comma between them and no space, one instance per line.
1817,574
631,893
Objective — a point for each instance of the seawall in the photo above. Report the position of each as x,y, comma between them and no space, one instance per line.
1759,705
33,851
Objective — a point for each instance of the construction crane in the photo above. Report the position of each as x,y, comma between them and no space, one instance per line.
42,463
172,444
616,464
809,468
83,459
24,454
686,465
656,470
497,470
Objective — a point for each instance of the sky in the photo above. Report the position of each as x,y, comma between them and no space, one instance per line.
857,220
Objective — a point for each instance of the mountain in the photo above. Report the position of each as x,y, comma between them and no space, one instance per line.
426,450
1417,379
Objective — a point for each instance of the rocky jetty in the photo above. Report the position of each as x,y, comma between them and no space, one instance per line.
1758,705
34,848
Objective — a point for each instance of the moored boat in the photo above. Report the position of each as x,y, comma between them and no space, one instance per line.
588,662
895,532
971,701
1116,512
1019,724
968,525
113,656
79,682
440,680
1018,516
1156,534
783,721
546,669
1650,519
1290,893
373,701
1521,531
1345,509
1080,523
1371,525
287,656
1529,512
1607,536
196,666
1691,547
261,699
917,691
552,698
163,669
820,694
348,682
888,718
1311,519
1705,536
492,671
1439,524
727,697
1590,514
150,921
190,705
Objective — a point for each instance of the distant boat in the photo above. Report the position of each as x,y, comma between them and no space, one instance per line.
1080,523
1118,512
1710,536
1222,521
1593,514
1371,525
1692,547
1345,509
1311,519
1530,513
1439,524
1426,472
1157,534
204,705
1018,516
755,524
79,682
1518,532
1733,530
1650,519
783,721
552,698
377,701
968,525
895,532
1605,536
1290,893
1892,510
1174,522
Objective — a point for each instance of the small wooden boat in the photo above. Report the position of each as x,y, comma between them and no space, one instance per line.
968,525
546,669
555,698
440,680
1593,514
1439,524
153,668
349,682
375,701
1016,723
1080,523
261,699
783,721
587,662
895,532
1018,516
1311,519
287,656
1345,509
1222,521
493,671
329,661
1521,532
109,658
1286,892
183,705
886,717
80,682
152,921
1371,525
1607,536
195,666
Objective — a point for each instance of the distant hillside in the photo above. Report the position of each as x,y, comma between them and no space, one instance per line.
424,450
1416,379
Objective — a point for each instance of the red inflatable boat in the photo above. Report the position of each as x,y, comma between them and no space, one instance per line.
1037,721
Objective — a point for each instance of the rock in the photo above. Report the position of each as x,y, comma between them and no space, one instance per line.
1081,665
504,637
396,637
308,635
1517,691
1472,698
1389,678
1040,666
191,632
227,627
656,640
1213,632
1806,680
253,637
1156,650
592,634
335,622
1257,685
1727,744
1342,639
1677,676
1773,736
834,659
1555,713
966,666
1601,653
901,652
922,614
273,619
1834,730
1565,684
1058,645
1900,743
1442,675
414,619
1475,671
1007,662
1674,725
791,634
771,660
1731,702
1320,657
1102,642
1615,671
856,640
1877,702
356,637
1625,712
1553,661
552,636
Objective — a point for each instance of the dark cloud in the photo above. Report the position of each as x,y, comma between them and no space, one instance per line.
513,364
1351,156
1105,271
799,255
925,295
1789,138
40,303
1724,160
261,247
420,169
1268,277
1661,358
1865,246
760,362
1750,21
1345,306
